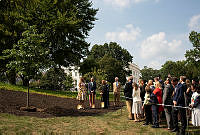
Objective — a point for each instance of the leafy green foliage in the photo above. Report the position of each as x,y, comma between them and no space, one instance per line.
88,65
112,67
98,75
29,55
53,79
193,55
149,73
68,83
176,69
112,49
110,58
56,79
11,28
64,25
2,77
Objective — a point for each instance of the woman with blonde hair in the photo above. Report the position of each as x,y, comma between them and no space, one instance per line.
158,93
150,84
82,93
157,98
147,106
137,103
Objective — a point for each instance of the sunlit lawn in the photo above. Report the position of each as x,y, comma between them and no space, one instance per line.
110,123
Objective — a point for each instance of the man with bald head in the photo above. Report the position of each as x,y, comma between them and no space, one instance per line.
116,91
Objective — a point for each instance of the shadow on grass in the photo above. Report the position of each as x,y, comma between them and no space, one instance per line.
60,112
193,132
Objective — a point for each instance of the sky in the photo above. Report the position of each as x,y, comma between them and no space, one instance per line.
153,31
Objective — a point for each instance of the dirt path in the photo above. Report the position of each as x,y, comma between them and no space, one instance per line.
11,101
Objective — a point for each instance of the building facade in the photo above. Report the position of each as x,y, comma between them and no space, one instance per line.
74,72
135,71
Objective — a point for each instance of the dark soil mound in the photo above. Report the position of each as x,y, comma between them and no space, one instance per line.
47,106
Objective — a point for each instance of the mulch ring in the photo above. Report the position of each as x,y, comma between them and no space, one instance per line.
47,106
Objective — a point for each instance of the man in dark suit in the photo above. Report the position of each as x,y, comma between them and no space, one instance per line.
92,91
179,100
128,96
167,100
142,89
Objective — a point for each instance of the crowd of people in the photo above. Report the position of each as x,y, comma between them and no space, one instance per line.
90,89
177,98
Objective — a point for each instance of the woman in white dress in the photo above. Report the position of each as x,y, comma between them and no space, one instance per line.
195,104
137,103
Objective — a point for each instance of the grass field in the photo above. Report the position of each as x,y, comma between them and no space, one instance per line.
110,123
68,94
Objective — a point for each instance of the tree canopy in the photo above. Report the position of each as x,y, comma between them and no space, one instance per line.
112,49
176,69
149,73
64,25
193,55
110,58
29,55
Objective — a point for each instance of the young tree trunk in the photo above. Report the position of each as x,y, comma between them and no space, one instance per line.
28,96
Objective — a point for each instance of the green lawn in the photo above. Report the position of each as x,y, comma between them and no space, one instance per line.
110,123
67,94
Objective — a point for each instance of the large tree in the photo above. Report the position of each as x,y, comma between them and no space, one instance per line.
29,56
193,55
149,73
114,50
110,58
56,79
176,69
64,23
113,68
11,28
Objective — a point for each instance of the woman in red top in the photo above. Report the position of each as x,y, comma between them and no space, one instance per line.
158,93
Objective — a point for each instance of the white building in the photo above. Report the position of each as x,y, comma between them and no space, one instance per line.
74,72
135,71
